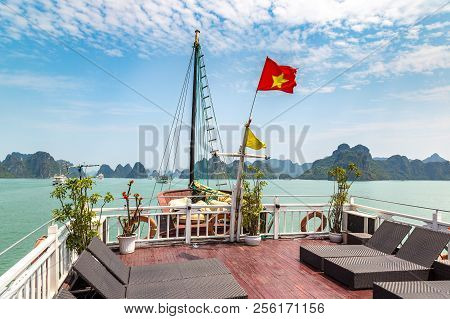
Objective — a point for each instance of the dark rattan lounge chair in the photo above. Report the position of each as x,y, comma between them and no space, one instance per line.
155,272
412,262
441,270
383,242
412,290
108,286
64,294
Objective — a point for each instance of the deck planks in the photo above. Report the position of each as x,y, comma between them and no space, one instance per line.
271,270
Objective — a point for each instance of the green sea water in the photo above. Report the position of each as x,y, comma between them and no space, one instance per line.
25,204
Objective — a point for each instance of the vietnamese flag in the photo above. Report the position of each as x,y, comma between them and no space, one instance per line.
277,77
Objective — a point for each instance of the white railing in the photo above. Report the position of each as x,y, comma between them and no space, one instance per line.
429,217
171,223
283,220
41,272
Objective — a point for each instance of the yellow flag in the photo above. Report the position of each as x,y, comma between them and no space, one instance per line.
253,142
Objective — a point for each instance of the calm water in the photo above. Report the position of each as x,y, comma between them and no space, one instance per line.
25,204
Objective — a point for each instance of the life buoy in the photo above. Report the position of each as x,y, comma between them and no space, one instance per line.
151,224
309,216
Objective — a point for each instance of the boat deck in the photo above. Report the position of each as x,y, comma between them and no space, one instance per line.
271,270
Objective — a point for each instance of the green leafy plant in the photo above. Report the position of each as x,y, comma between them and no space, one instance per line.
341,178
131,222
77,210
252,200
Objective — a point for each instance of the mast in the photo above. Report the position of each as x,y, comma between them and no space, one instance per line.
194,111
241,168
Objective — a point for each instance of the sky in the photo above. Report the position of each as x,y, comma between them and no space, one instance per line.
79,78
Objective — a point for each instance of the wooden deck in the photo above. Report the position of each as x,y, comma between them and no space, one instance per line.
271,270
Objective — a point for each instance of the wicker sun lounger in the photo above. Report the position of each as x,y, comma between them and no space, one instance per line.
64,294
412,290
383,242
412,262
156,272
108,286
441,270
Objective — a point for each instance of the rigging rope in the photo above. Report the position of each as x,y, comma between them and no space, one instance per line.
217,136
176,119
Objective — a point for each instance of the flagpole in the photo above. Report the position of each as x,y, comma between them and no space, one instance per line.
253,104
239,176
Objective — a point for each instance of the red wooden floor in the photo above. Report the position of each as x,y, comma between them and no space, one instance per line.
271,270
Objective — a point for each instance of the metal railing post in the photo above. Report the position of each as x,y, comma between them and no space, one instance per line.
345,215
436,218
233,215
239,219
276,214
105,231
344,221
187,231
53,266
351,202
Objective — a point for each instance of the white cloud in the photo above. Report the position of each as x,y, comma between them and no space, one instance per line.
348,86
437,25
417,59
358,27
425,58
434,94
355,12
325,90
146,25
318,36
413,33
114,52
37,82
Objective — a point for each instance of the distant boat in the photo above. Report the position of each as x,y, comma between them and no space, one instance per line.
100,176
163,179
59,179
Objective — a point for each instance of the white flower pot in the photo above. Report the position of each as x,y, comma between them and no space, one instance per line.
336,238
252,240
127,245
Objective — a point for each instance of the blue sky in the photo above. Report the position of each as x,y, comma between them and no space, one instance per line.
395,102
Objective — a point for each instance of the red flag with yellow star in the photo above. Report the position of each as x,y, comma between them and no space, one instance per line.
277,77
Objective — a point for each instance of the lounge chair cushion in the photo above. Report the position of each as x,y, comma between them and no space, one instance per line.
158,290
174,271
385,240
362,272
214,287
412,290
154,273
209,287
388,236
374,264
64,294
314,254
428,242
98,277
109,259
412,262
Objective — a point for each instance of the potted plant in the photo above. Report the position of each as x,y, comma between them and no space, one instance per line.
252,205
342,186
129,223
77,211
